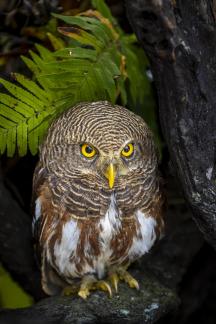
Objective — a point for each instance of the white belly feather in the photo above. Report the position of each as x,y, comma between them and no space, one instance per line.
142,245
109,226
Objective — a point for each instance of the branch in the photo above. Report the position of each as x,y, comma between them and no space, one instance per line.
179,38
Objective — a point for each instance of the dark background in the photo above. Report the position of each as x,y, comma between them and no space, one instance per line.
196,286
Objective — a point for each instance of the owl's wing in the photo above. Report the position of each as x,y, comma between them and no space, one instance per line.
40,176
51,282
158,208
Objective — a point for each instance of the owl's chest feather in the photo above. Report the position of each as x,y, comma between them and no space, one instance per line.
110,241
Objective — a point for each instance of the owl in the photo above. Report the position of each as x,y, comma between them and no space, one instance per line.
97,198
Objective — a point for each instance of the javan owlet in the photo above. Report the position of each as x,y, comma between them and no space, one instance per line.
98,198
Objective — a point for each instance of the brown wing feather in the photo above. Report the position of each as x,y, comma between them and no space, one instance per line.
40,175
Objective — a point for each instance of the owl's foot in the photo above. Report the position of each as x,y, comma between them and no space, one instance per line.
70,290
122,274
91,283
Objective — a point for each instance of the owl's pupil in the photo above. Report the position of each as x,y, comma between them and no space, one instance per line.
88,149
127,149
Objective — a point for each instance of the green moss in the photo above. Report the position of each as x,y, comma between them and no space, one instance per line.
11,294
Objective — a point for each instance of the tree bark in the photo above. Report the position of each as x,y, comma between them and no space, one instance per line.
179,37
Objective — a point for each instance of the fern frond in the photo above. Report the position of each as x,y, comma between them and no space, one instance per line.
35,90
57,43
104,10
11,141
94,69
16,105
23,95
3,140
21,116
22,136
96,61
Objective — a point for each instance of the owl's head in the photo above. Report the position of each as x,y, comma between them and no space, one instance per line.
103,144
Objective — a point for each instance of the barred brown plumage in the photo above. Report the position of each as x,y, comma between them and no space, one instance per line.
95,215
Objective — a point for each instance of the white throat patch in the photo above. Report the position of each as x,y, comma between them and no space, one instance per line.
109,225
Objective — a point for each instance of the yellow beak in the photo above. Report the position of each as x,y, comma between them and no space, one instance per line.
110,174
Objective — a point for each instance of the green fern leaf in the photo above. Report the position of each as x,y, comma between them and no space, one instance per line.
36,59
6,123
107,82
81,36
123,93
100,31
10,114
16,105
23,95
45,54
33,67
76,53
103,9
57,43
138,83
3,140
37,127
37,91
22,135
11,141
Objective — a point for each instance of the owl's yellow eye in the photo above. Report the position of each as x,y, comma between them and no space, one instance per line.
128,150
88,150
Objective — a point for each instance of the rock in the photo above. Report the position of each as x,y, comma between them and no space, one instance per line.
150,303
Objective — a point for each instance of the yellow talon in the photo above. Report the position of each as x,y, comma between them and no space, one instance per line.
84,293
114,280
86,286
90,283
103,285
132,282
121,273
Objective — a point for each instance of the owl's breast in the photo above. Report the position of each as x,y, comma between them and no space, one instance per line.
88,245
95,245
